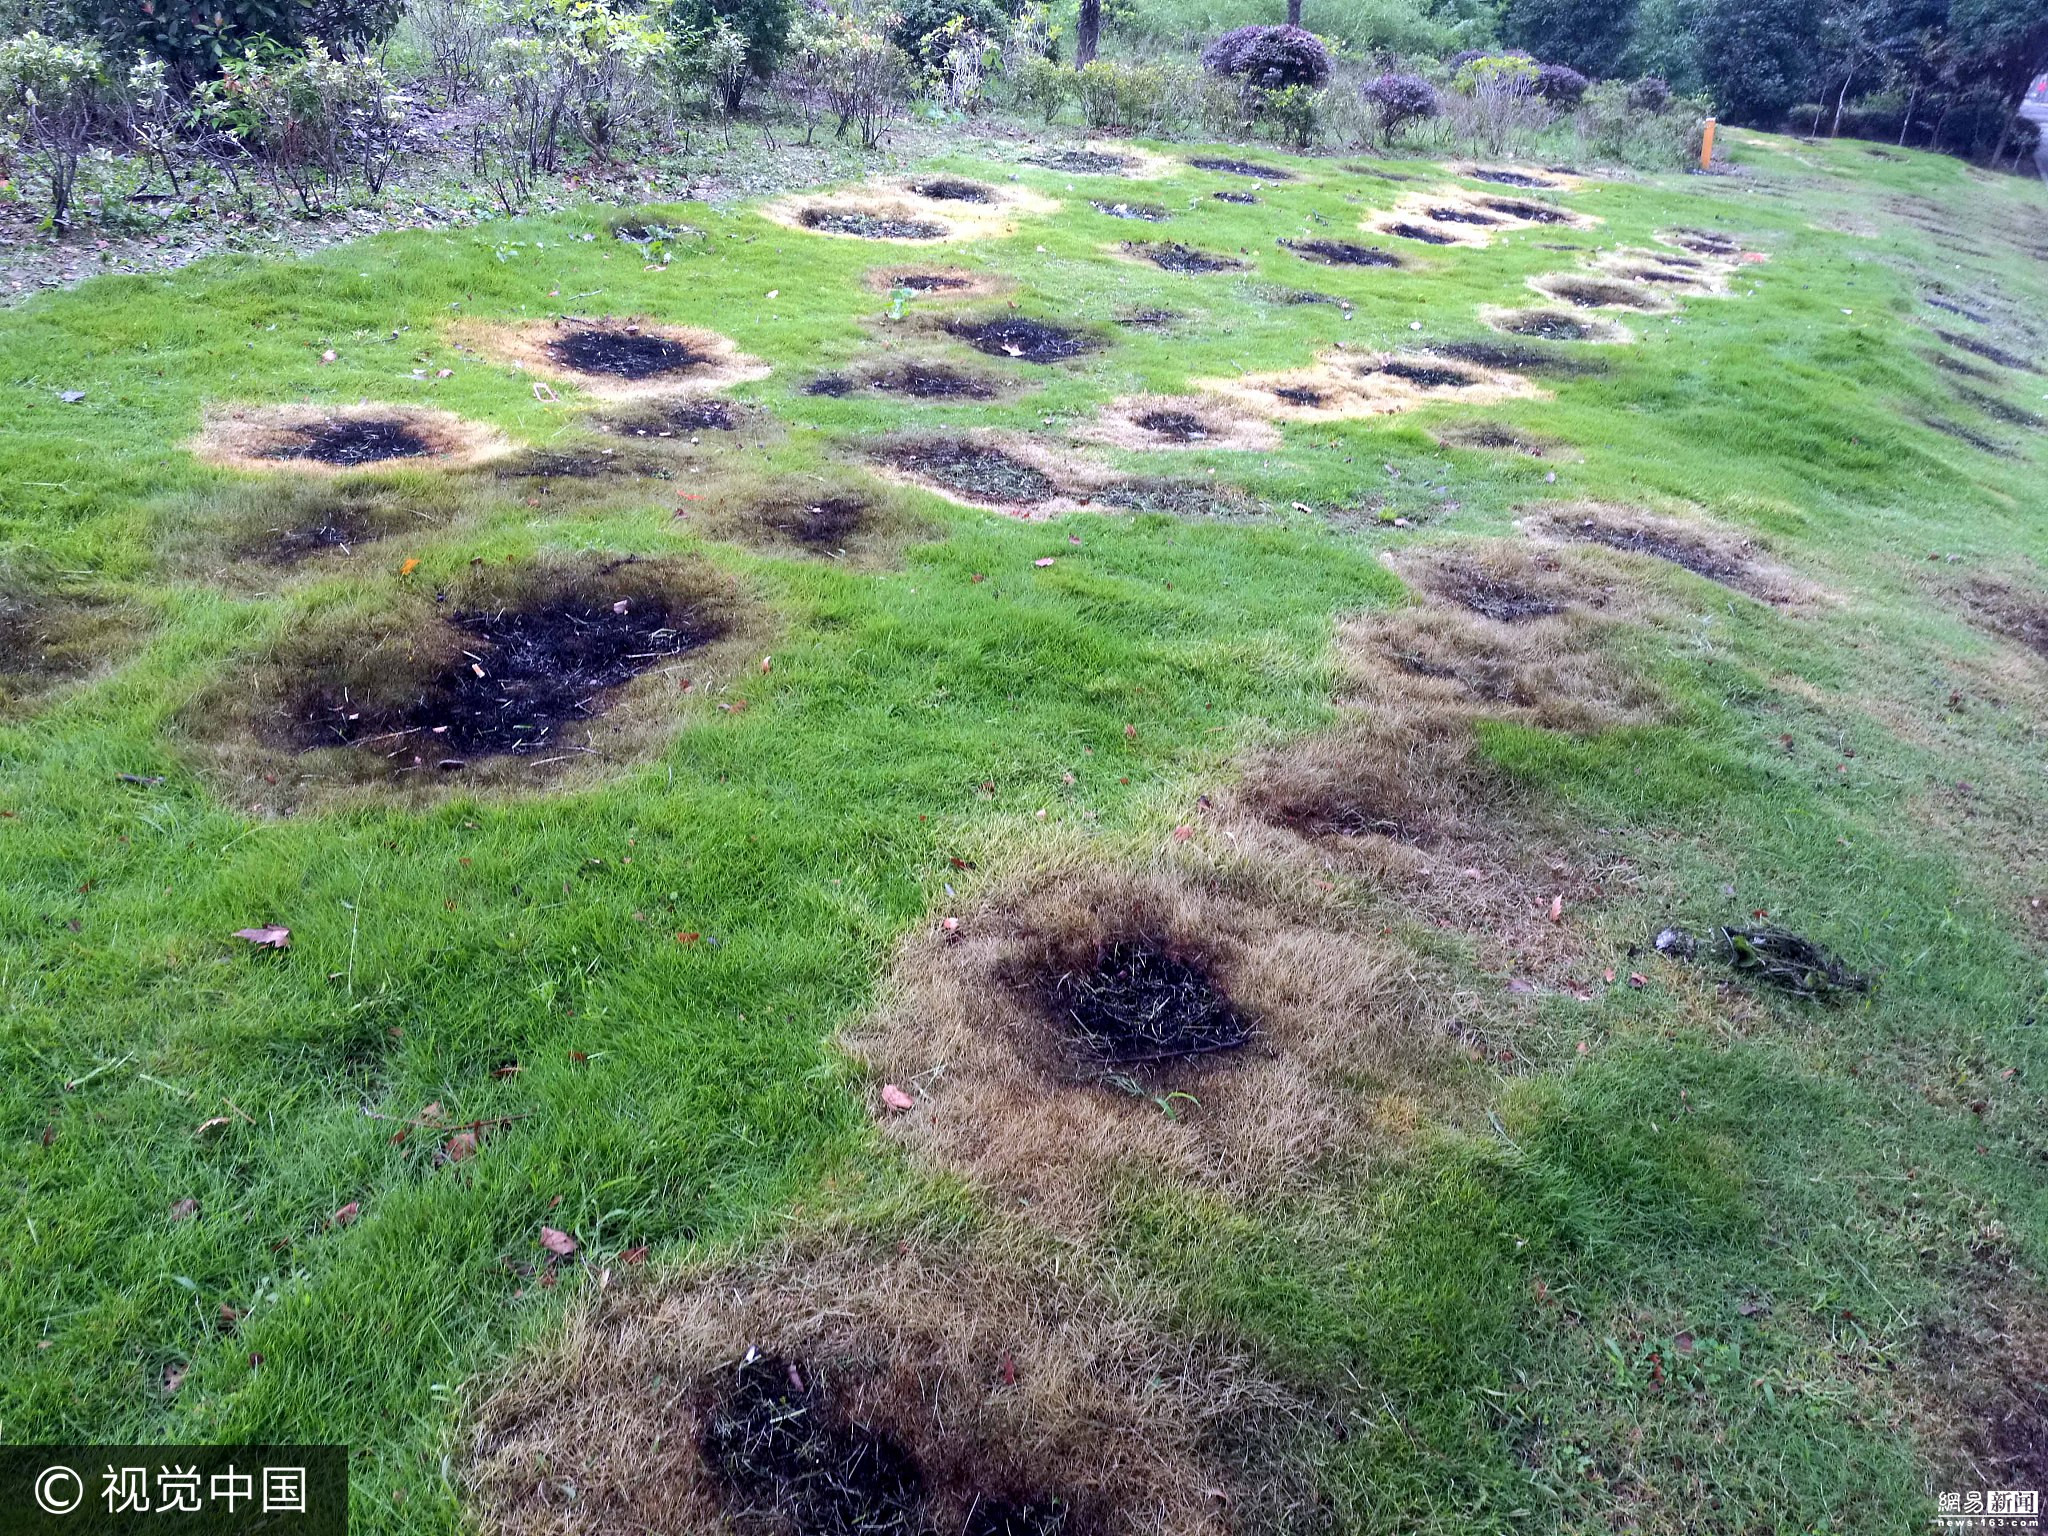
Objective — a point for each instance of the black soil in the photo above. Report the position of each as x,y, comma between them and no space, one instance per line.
1081,162
341,528
2001,410
519,675
1242,168
1512,179
1950,306
1005,1517
1689,553
868,226
1141,1002
780,1456
623,353
934,381
1988,352
1704,242
1180,426
347,441
953,189
1549,324
1028,341
1425,375
1423,233
1963,434
1493,354
831,386
1492,597
1148,319
1527,212
1340,253
1659,275
1593,293
1295,394
1176,257
972,472
1151,213
1451,214
1243,199
542,464
1956,365
825,523
930,282
666,420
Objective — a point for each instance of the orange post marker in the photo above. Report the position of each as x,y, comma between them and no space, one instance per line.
1707,147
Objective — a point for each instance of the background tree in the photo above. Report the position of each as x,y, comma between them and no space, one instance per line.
1087,33
1759,57
1589,35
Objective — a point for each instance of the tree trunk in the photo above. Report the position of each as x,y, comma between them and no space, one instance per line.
1294,13
1906,122
1087,32
1841,101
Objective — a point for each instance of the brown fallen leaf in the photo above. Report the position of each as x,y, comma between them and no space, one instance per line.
459,1146
556,1241
271,937
1557,908
207,1127
185,1210
634,1255
348,1213
896,1099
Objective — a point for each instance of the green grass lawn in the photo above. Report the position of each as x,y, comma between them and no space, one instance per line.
1691,1257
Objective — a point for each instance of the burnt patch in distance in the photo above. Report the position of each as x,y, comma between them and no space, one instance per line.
623,352
1340,253
953,189
1024,339
1175,257
1151,213
1250,168
869,226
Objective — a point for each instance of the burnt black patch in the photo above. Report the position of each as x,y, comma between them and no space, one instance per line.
1242,168
2001,410
1597,293
624,352
1493,354
816,523
971,471
1180,426
1425,375
830,386
1451,213
1704,242
1647,274
1148,319
341,529
1420,232
1491,436
548,464
1548,325
1183,498
1081,162
1026,340
1299,394
953,189
1963,434
930,282
1950,306
1526,211
1493,597
670,417
934,381
517,674
1691,554
1151,213
1967,370
781,1457
1141,1002
49,638
1990,353
1514,179
349,441
1006,1517
1175,257
868,226
1242,199
1340,253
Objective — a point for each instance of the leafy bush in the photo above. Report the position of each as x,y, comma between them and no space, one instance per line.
1396,100
196,37
1144,98
455,36
1269,58
1494,106
1294,112
50,93
1560,83
844,68
762,25
918,25
573,66
1589,35
1045,85
315,120
1652,93
1612,126
1756,55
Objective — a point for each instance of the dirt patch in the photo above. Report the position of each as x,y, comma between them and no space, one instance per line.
1556,325
1600,293
337,439
1717,555
2011,611
1425,375
1963,311
1340,253
895,1384
55,636
1990,353
1241,168
953,189
1455,213
1151,213
1219,1024
934,381
1125,161
1658,270
1498,177
870,224
835,516
1175,257
617,358
817,523
830,386
560,464
1241,199
926,282
509,669
1022,338
1956,365
1346,384
1179,421
1493,437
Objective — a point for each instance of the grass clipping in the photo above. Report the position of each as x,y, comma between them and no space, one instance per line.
843,1384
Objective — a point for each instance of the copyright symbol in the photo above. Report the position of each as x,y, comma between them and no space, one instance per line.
59,1490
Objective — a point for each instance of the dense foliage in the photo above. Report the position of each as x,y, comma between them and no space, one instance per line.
1271,58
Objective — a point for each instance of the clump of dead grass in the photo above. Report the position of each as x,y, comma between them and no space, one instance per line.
841,517
1719,554
1147,422
339,439
54,633
616,358
1310,1025
846,1383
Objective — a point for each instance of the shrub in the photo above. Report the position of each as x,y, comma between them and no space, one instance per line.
1560,83
197,37
315,120
1494,105
1611,126
1269,58
1396,100
1295,113
762,25
919,24
456,37
1140,97
1045,85
1652,93
50,93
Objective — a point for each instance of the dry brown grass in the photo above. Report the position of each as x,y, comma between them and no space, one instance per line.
53,633
1587,290
896,199
384,647
268,438
1004,1371
1341,1032
1719,554
830,516
527,345
1149,422
1343,384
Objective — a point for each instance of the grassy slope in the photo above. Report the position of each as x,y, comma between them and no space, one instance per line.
808,831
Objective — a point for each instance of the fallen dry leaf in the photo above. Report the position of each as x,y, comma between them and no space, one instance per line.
556,1241
185,1209
1557,908
207,1127
407,566
272,937
462,1144
348,1213
896,1099
634,1255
